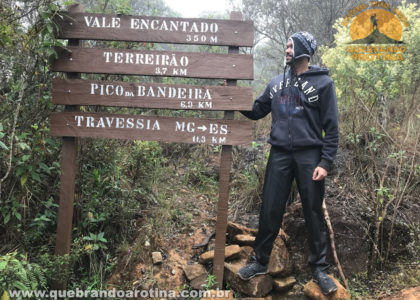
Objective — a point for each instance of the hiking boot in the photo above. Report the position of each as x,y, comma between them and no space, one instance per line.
325,283
252,269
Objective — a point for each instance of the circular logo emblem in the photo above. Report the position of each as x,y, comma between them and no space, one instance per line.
376,26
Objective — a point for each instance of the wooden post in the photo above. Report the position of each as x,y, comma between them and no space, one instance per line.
67,178
224,189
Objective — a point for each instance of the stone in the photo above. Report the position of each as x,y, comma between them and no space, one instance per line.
284,284
259,286
231,252
279,264
285,237
193,271
219,294
312,291
234,229
157,257
246,252
244,239
199,282
406,294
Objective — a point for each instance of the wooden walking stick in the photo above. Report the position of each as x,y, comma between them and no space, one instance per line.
330,229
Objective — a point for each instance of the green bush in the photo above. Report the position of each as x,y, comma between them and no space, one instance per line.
16,273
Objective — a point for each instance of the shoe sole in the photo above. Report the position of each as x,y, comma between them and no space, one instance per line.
246,279
330,292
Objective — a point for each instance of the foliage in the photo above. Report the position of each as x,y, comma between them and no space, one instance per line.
248,178
114,177
17,273
28,168
378,123
211,282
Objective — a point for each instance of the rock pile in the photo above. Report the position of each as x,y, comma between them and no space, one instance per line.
237,255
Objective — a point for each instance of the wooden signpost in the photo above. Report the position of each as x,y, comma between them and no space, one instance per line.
156,128
150,95
74,91
156,63
89,26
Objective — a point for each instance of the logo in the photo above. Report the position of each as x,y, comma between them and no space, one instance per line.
376,28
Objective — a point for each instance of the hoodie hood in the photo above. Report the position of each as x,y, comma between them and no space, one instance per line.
315,70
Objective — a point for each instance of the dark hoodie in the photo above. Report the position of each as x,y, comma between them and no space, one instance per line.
301,108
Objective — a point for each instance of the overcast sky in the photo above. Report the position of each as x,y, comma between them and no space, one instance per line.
196,8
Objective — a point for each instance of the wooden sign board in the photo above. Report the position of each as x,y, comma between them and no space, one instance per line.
151,95
157,63
155,29
151,128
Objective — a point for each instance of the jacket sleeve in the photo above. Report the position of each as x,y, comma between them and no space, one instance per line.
329,121
261,107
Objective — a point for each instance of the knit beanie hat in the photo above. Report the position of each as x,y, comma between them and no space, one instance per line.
304,44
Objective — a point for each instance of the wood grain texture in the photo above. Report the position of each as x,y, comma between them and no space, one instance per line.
155,63
224,189
151,95
93,26
67,179
68,173
151,128
67,182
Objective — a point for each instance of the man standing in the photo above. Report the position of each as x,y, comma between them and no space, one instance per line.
304,139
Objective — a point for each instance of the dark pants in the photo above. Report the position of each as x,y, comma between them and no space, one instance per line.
282,168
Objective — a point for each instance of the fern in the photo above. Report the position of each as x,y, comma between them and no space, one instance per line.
16,273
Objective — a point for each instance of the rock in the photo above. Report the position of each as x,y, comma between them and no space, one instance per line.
258,286
231,252
206,257
219,294
280,264
157,257
193,271
406,294
284,235
313,291
284,284
234,229
246,252
199,282
244,239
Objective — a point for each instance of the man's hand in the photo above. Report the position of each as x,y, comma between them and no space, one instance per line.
319,174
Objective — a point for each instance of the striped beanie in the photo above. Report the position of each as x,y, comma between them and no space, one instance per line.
304,44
